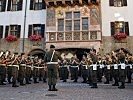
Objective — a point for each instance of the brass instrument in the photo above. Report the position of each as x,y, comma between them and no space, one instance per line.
1,53
7,53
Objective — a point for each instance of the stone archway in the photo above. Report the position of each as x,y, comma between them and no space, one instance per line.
39,52
74,51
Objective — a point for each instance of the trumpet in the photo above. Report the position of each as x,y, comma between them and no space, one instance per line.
1,53
7,53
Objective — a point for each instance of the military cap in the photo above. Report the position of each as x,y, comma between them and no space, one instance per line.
16,53
22,53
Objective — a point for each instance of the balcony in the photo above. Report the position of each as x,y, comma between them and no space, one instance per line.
73,36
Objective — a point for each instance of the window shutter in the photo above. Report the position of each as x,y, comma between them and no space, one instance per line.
42,30
9,5
20,5
112,24
6,31
1,31
30,31
111,2
125,2
31,4
127,28
43,4
19,31
4,5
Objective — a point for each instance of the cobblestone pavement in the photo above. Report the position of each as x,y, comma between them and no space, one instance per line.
67,91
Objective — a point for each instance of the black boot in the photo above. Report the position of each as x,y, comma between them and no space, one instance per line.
9,82
50,88
84,80
21,83
44,81
2,83
54,89
94,85
64,80
122,86
129,81
115,84
107,82
14,84
40,79
27,81
35,80
75,80
90,84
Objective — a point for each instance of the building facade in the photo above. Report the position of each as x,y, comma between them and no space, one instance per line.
74,24
116,18
22,18
99,24
71,25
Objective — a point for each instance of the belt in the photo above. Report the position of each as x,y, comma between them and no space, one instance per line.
108,67
22,64
9,65
86,67
122,65
2,64
74,66
28,66
115,66
15,65
39,67
94,67
52,62
101,66
64,66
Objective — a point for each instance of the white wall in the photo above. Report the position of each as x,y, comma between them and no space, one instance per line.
108,16
17,17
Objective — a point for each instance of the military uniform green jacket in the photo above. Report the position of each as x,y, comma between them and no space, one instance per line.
48,56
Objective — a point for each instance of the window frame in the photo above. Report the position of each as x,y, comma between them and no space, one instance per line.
85,24
59,25
114,3
125,27
1,31
38,31
1,5
31,30
76,25
67,27
15,5
15,29
72,19
37,5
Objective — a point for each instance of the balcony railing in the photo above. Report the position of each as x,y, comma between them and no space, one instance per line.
74,36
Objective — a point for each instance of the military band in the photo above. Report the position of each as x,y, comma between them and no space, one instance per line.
116,65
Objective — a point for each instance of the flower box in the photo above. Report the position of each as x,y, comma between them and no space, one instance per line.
11,38
120,36
35,37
